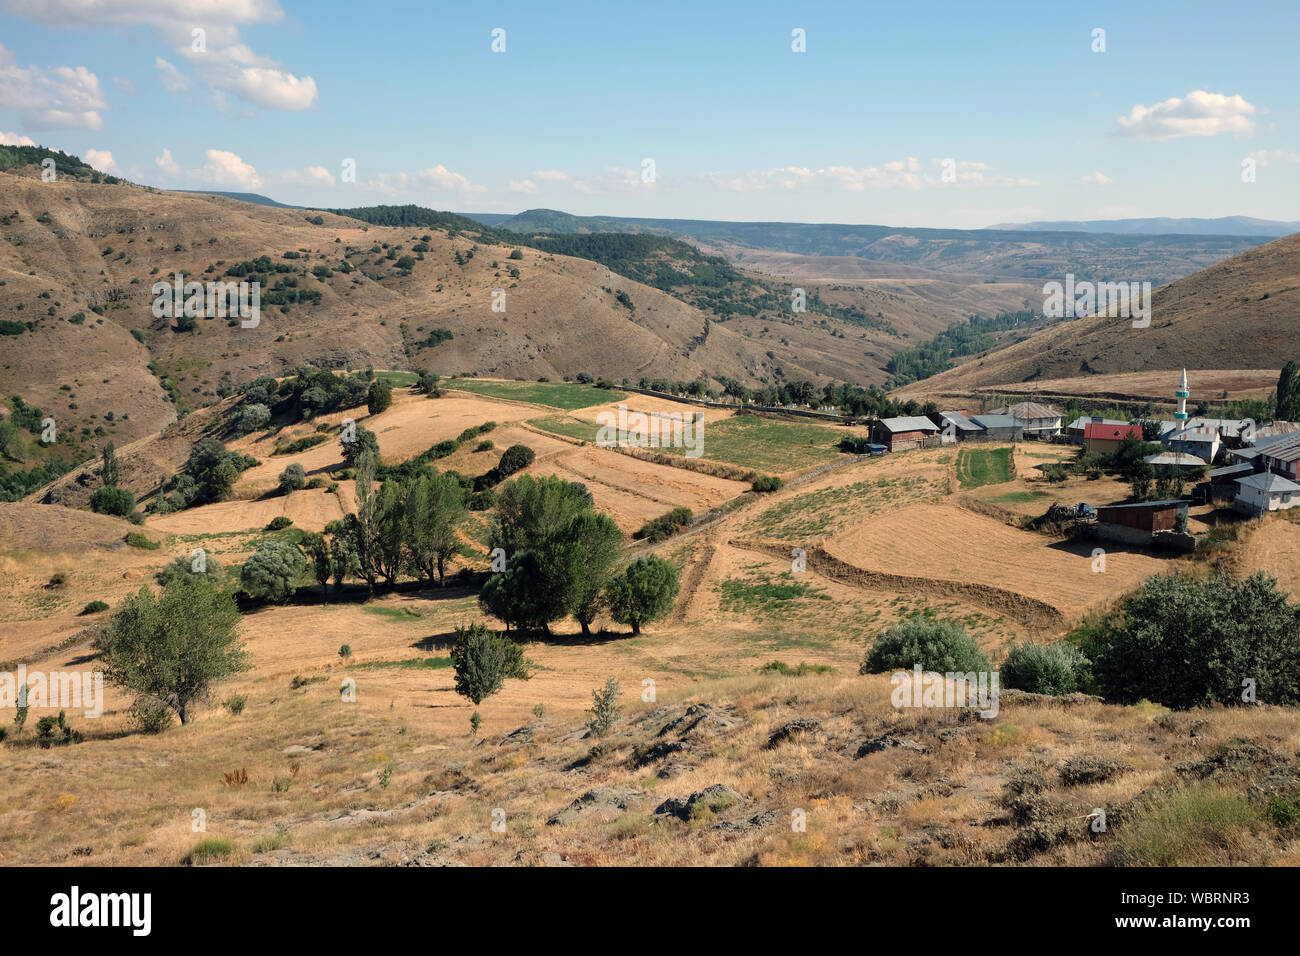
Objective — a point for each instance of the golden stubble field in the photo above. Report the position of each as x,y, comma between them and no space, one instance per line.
397,777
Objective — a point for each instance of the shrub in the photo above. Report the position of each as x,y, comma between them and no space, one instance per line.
1053,669
604,707
58,580
644,592
766,483
56,731
273,571
1185,643
380,396
513,459
112,501
137,540
251,418
936,645
484,445
665,526
94,607
210,849
483,660
292,478
278,523
185,567
149,716
235,703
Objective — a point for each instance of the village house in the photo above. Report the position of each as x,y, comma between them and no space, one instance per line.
1036,420
954,426
1203,441
899,434
1180,460
1103,439
1076,428
999,427
1265,492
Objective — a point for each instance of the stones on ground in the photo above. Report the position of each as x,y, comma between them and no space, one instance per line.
712,799
1091,768
757,822
888,742
793,728
597,802
701,718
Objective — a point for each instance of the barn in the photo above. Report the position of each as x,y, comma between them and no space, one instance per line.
1000,427
910,431
1105,439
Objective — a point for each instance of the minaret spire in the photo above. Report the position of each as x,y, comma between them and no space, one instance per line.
1181,415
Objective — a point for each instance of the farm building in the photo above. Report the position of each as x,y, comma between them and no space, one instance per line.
1075,429
1175,459
955,426
1105,439
1266,492
1000,427
1203,441
1281,456
1036,420
911,431
1222,484
1145,523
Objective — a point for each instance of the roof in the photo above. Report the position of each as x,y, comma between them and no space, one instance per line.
1193,434
1113,432
1175,458
959,420
995,421
1027,411
1226,470
1268,481
1082,421
909,423
1167,503
1286,448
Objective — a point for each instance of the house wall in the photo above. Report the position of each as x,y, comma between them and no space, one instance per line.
1256,501
1102,446
1144,519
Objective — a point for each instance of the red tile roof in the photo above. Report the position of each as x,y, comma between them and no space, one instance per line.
1112,432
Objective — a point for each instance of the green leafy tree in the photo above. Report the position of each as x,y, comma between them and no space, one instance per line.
592,545
362,526
483,661
253,416
644,592
108,472
390,544
363,443
273,570
435,508
292,478
1288,392
935,644
343,560
172,649
322,563
111,500
380,396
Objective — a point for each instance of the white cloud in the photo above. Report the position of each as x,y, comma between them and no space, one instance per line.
14,139
1199,113
172,79
523,186
444,178
125,85
1096,178
224,63
101,159
907,174
226,169
59,97
311,176
167,164
1263,157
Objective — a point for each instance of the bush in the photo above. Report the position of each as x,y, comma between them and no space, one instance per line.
1053,669
942,646
94,607
56,731
766,483
273,571
665,526
604,707
251,418
149,716
644,592
1185,643
137,540
513,459
112,501
380,396
484,445
484,660
278,523
235,703
292,478
183,567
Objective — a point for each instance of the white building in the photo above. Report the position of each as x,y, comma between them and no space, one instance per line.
1257,494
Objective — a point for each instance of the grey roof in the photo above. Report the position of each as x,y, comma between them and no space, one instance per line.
1175,458
995,421
909,423
1268,481
1285,448
1147,504
1028,411
1200,433
1245,466
960,420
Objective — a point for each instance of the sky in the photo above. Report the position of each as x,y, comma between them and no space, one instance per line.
946,114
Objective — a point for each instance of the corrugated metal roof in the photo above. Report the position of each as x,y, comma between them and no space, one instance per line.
1283,449
960,420
1175,458
1027,411
995,421
1114,432
1084,420
1245,466
909,423
1167,503
1268,481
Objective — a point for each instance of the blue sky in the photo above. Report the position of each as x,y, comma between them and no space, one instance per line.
739,126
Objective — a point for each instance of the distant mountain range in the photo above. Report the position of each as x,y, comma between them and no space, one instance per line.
1164,226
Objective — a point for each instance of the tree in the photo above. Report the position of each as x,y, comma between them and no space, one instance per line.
362,443
173,649
936,645
593,544
109,473
292,478
362,527
1141,480
112,501
185,567
343,560
644,592
390,546
1185,642
483,660
1288,392
253,416
322,563
524,595
435,507
379,397
273,570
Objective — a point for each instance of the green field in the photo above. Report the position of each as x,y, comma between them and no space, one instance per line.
816,513
570,427
1020,497
983,466
564,395
767,446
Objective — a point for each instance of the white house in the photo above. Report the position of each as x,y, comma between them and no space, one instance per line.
1035,419
1266,491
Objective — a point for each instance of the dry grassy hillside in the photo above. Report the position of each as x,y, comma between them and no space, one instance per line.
1238,314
